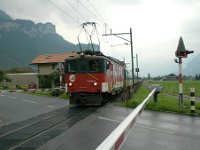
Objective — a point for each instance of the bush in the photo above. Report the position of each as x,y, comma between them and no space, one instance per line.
55,92
3,87
64,96
3,76
20,87
45,81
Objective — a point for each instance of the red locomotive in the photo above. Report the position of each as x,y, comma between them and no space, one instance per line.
91,77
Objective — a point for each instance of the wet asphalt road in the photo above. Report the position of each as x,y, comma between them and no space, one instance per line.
164,131
153,130
17,106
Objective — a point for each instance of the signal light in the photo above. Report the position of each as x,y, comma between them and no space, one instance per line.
181,52
70,84
95,83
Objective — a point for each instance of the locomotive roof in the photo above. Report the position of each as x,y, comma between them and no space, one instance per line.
96,57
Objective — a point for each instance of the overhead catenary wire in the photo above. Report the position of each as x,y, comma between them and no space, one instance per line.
97,12
63,11
96,15
75,9
90,11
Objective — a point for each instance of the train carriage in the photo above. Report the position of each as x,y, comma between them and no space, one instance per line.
92,78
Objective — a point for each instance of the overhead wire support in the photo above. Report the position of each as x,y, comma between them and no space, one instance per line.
117,35
131,43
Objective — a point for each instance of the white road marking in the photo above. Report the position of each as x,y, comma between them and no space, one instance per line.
112,120
30,101
13,97
51,106
141,126
2,95
155,129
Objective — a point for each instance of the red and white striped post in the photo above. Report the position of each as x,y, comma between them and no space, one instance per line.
180,79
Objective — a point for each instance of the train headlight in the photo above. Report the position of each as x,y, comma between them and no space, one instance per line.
95,83
70,84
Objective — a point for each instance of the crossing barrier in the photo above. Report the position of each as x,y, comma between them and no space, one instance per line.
115,140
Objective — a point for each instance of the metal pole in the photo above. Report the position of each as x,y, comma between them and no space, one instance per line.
137,66
105,28
180,78
131,41
60,81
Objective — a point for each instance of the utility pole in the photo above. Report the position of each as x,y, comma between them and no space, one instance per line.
131,43
137,69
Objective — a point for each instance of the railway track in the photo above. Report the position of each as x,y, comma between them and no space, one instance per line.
34,132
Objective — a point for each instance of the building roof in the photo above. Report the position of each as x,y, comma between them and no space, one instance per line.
171,75
52,58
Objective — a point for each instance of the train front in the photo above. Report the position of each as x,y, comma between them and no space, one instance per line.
85,79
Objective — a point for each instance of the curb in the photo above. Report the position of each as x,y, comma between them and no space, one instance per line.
16,91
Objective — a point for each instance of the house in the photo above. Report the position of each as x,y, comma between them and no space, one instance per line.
170,77
49,63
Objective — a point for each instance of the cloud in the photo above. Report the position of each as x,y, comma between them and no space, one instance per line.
156,25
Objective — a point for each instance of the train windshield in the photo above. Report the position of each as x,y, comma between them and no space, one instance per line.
85,65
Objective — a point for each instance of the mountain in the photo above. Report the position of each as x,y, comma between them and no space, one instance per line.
4,16
22,40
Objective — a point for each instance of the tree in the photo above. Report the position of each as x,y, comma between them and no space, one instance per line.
51,80
197,77
149,76
3,76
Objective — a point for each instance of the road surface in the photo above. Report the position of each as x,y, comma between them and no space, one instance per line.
51,124
17,106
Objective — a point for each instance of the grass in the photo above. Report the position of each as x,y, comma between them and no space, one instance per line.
172,86
137,98
48,94
169,103
166,103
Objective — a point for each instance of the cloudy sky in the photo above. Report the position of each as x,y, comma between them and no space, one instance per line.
156,25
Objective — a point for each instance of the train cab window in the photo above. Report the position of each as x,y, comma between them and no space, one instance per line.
83,65
71,66
93,65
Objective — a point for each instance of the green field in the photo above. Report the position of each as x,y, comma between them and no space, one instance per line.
172,86
166,102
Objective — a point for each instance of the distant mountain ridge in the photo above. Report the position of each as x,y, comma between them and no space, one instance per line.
192,67
22,40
